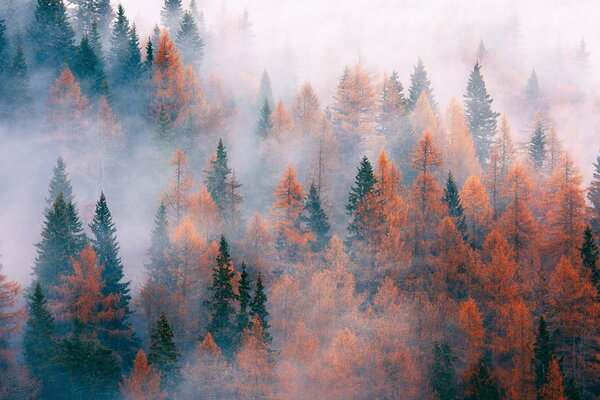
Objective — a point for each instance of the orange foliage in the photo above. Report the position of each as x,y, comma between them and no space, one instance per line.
474,200
144,381
203,211
306,111
207,375
67,107
9,314
460,156
177,195
281,122
423,119
471,328
553,389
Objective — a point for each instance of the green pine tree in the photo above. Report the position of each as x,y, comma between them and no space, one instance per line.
571,391
419,83
221,302
189,41
88,70
443,375
481,118
52,38
132,68
242,320
264,123
171,14
593,195
258,307
479,384
315,219
590,255
4,46
18,85
159,247
543,351
149,61
537,146
216,178
164,354
455,208
39,342
265,92
363,185
60,183
119,46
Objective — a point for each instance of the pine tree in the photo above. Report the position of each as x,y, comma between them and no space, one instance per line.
149,61
85,13
543,352
60,183
88,70
532,91
39,342
265,93
189,41
455,208
243,316
4,46
132,67
171,14
482,120
159,247
315,219
419,83
392,107
590,255
364,185
593,194
51,35
480,385
164,355
264,123
258,308
62,239
221,302
119,47
216,178
18,85
443,375
537,146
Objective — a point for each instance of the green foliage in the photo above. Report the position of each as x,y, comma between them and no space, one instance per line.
443,375
363,185
216,178
455,208
243,319
590,255
264,122
159,246
543,350
89,71
537,146
479,384
258,307
419,83
189,41
164,354
315,219
171,14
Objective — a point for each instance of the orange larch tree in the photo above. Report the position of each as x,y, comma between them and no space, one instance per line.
307,112
474,199
207,375
472,332
281,122
169,78
177,195
144,381
553,389
67,107
460,156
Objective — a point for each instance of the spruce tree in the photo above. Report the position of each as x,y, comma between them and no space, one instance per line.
537,146
315,219
88,70
481,118
51,36
149,61
60,183
590,255
62,239
543,351
258,307
242,320
221,302
171,14
119,46
264,123
455,208
89,12
3,51
443,375
164,355
593,194
216,178
18,85
480,385
189,41
532,91
133,61
159,246
39,342
419,83
265,92
363,185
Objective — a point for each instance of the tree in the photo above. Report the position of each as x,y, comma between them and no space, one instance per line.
460,156
51,35
258,310
144,381
453,202
86,13
89,70
221,301
244,298
593,194
482,120
316,219
189,40
443,375
119,45
176,197
419,83
171,13
265,93
62,239
159,246
553,389
18,84
39,340
479,383
164,355
532,91
306,111
392,106
280,122
217,176
543,353
59,183
537,146
590,255
264,123
474,199
9,315
363,184
471,327
67,107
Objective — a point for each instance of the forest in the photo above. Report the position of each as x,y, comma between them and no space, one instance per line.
178,225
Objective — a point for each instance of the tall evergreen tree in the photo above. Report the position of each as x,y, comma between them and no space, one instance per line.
171,14
18,85
479,383
221,302
315,219
593,194
189,40
537,146
119,46
243,318
62,239
265,92
258,308
532,91
481,118
51,36
363,184
455,208
4,47
60,183
39,342
216,178
164,355
89,71
149,61
133,62
443,375
590,255
159,246
264,123
543,351
419,83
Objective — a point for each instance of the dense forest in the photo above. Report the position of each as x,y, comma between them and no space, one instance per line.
371,244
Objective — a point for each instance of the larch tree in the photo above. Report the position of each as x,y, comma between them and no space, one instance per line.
51,35
481,117
180,185
553,389
475,202
419,83
460,157
424,119
67,107
143,382
189,41
164,355
280,122
10,314
470,323
306,111
169,77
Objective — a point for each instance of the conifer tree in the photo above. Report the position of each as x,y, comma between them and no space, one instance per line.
593,194
18,85
242,320
258,308
316,219
159,247
264,123
51,36
532,90
149,61
95,38
553,389
89,71
537,146
216,178
482,120
479,384
164,129
85,13
171,14
419,83
189,41
39,342
221,302
265,93
443,375
164,355
363,184
455,208
392,107
543,352
119,46
4,46
144,381
133,62
590,255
